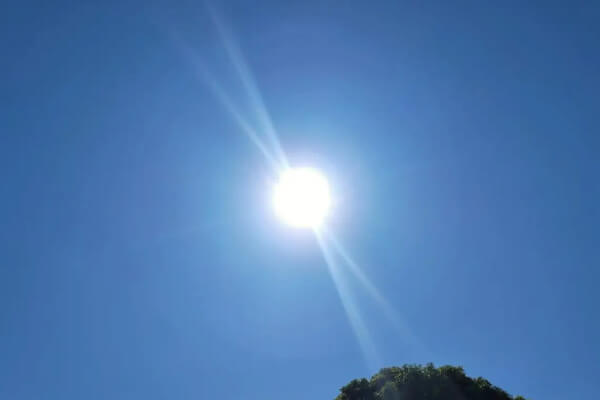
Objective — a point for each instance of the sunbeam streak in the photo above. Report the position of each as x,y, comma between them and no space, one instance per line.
241,121
391,314
352,312
267,142
226,102
237,60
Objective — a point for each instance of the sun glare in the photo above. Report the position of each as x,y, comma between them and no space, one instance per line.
301,197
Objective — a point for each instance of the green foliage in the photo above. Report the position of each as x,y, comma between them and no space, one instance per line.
358,389
416,382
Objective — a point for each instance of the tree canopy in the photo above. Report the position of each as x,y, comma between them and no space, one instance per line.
417,382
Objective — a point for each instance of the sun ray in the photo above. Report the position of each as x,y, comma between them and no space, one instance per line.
352,312
390,313
249,83
242,122
205,77
267,141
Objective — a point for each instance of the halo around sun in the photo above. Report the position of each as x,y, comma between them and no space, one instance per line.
301,197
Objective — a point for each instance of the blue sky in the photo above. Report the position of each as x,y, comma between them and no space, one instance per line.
140,255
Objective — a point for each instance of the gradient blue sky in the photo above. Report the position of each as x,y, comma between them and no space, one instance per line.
140,255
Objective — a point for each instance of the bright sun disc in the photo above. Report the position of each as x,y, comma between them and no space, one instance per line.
301,197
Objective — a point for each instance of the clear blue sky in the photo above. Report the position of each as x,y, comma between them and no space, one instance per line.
140,258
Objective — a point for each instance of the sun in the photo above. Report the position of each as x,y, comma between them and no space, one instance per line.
301,197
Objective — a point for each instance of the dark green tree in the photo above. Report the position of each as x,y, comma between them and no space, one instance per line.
417,382
358,389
